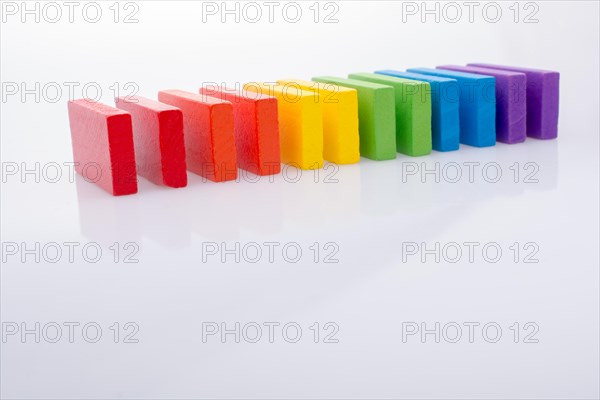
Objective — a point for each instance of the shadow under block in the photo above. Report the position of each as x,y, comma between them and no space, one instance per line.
376,116
477,106
413,112
256,127
300,124
103,149
208,134
341,143
158,140
542,100
511,106
445,122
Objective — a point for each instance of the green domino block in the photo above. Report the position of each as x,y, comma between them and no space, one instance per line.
413,112
376,116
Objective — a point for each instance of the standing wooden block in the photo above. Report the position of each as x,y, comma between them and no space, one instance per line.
511,106
542,100
103,149
158,140
445,123
208,134
413,112
300,124
256,127
376,116
341,143
477,107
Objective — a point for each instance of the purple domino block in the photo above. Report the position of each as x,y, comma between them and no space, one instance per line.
511,106
542,100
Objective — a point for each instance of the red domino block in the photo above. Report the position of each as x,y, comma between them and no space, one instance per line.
103,146
208,132
158,139
256,129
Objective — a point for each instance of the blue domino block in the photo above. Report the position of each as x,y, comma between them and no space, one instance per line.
477,107
445,122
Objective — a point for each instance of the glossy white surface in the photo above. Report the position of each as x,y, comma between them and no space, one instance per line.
367,210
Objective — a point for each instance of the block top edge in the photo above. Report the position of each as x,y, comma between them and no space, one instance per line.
352,82
411,75
387,78
515,69
145,102
482,70
262,87
99,108
450,73
314,86
197,98
226,93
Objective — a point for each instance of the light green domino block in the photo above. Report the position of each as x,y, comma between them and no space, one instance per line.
413,112
376,116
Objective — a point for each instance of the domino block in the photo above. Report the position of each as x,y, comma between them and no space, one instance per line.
477,105
445,123
256,127
103,146
413,112
511,112
208,134
341,143
542,100
158,140
300,124
376,116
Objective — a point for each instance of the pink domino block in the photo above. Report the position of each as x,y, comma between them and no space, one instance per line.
103,146
158,138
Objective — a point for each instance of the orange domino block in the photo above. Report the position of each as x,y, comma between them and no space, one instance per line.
208,134
103,146
256,129
300,124
341,141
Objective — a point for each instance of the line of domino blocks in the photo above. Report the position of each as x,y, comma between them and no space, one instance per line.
302,123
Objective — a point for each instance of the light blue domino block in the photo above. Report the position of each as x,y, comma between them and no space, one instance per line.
477,107
445,123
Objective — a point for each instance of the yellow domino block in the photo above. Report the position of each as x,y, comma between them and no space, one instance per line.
341,142
300,124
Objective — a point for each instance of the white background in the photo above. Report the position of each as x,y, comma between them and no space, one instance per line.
368,210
